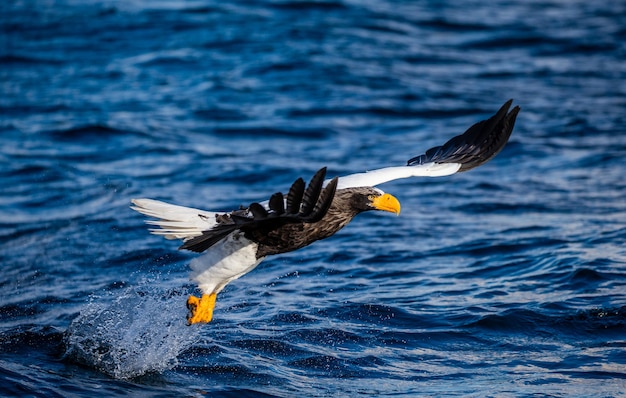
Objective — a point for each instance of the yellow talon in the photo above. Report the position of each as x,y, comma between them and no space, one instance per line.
200,309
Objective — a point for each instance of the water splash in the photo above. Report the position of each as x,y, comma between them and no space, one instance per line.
142,331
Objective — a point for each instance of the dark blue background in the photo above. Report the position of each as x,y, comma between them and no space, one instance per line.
507,280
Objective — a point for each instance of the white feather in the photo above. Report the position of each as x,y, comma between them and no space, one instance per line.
175,222
379,176
224,262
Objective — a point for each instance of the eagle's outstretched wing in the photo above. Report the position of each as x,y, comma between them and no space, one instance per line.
476,146
299,206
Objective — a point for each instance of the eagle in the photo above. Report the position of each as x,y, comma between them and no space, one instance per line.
234,243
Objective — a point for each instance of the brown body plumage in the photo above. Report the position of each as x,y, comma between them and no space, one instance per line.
346,204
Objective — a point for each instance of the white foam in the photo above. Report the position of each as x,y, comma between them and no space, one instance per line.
143,330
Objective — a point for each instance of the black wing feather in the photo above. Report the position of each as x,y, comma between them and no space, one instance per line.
277,203
258,211
208,238
294,197
312,192
479,144
323,203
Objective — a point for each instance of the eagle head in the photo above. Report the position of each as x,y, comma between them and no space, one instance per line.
369,198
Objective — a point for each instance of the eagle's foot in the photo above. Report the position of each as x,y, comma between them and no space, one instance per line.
200,309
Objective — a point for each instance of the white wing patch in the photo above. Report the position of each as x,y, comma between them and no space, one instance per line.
226,261
379,176
175,222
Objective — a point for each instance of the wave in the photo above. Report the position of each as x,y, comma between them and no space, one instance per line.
592,321
142,331
23,60
87,131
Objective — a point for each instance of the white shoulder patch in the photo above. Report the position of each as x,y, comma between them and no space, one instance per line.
380,176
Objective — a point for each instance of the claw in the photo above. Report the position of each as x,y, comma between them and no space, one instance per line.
200,309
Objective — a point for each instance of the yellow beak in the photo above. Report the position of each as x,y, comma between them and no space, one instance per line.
386,202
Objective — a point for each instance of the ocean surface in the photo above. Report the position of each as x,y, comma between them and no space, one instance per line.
505,281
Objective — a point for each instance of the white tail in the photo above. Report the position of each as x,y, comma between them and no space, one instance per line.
175,222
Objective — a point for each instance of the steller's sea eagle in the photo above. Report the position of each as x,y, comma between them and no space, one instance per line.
235,243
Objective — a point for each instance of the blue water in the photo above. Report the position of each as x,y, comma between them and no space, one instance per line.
508,280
